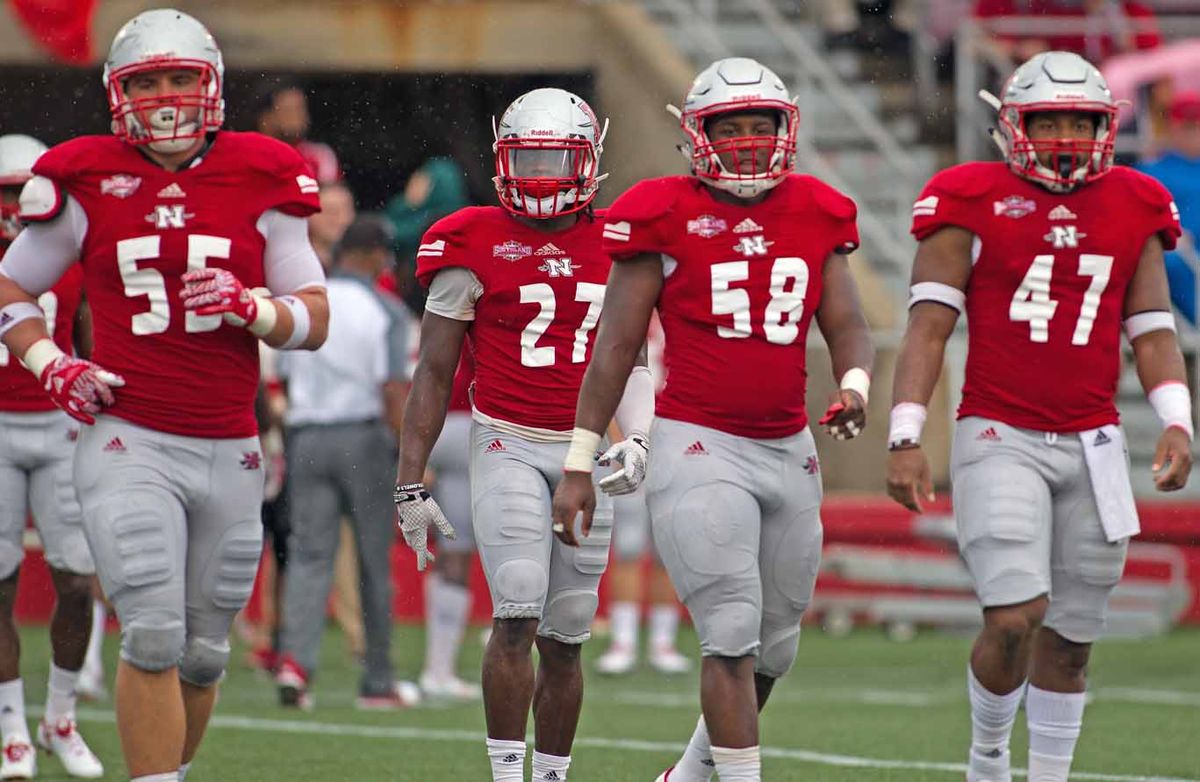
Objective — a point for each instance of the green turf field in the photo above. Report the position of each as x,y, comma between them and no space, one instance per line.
859,708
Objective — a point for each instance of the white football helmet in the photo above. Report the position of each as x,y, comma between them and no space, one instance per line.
164,39
1055,81
17,156
738,85
548,146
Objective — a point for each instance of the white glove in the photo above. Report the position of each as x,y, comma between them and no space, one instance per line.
418,512
631,454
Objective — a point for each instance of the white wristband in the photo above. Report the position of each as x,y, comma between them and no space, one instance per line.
857,380
301,322
40,355
908,418
265,318
582,453
1173,403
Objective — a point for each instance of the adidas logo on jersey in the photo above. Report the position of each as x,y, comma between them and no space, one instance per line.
495,446
989,435
172,190
115,446
696,449
747,226
1101,438
1061,212
549,248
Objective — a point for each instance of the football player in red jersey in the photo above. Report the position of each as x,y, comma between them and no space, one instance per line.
1050,254
178,226
36,444
738,258
526,283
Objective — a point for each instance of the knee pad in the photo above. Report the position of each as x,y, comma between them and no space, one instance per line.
153,646
204,661
568,616
729,629
778,651
229,574
519,588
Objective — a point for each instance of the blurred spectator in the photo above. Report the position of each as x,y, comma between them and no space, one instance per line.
1179,171
436,189
842,23
325,228
346,402
282,111
1105,27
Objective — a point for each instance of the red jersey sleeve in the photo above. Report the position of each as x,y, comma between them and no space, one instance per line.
286,182
843,215
631,225
1161,212
951,198
444,245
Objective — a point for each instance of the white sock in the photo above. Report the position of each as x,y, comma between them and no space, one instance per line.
446,609
169,776
60,695
93,661
738,765
624,619
1055,719
696,765
664,622
12,710
550,768
508,760
992,718
183,770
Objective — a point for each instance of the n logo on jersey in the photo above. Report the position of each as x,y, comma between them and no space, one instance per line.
751,246
558,267
169,216
1064,236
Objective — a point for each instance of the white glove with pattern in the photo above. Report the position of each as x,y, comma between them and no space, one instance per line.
418,512
631,454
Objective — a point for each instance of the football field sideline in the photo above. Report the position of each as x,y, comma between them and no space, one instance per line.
304,727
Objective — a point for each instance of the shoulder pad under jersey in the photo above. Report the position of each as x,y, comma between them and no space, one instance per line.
831,200
648,200
41,200
63,162
967,180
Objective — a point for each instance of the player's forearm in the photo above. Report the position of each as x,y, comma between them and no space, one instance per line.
21,337
850,348
424,415
301,321
604,383
1158,359
395,397
919,362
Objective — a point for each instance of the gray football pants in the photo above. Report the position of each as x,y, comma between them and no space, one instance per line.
337,470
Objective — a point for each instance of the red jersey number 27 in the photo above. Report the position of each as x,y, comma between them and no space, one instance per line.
541,294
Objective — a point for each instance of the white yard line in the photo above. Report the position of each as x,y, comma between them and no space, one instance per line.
298,727
1146,695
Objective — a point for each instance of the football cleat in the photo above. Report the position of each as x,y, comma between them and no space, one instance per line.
19,761
617,661
668,660
451,688
265,660
403,695
64,741
292,681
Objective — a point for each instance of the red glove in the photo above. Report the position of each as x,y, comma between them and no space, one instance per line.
218,292
80,387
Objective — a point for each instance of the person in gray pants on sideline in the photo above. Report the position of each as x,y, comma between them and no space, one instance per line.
345,403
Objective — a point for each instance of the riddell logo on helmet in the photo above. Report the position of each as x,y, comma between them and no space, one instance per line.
746,98
543,132
1070,96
